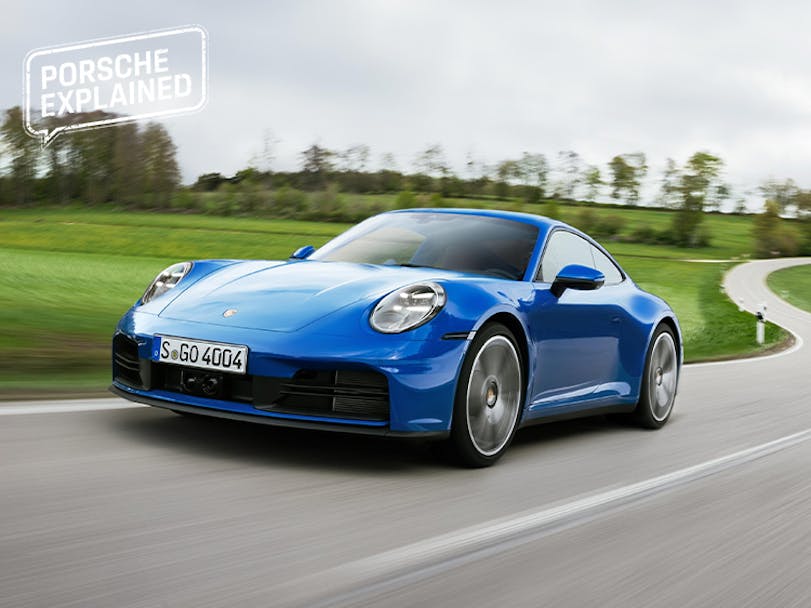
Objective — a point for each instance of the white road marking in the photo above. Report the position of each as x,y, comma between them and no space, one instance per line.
427,556
19,408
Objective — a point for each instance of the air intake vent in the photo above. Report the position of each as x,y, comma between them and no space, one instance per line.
363,394
356,394
126,365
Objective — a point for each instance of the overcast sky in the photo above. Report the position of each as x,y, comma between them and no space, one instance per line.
491,78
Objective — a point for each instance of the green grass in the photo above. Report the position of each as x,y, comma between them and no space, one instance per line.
67,275
713,327
793,285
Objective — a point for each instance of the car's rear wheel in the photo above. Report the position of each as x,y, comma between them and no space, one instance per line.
489,398
659,382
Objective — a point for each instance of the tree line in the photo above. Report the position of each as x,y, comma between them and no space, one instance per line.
137,167
690,189
127,164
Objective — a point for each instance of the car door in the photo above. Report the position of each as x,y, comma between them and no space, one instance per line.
576,336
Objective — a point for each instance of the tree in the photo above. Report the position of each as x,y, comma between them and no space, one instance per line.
352,164
627,173
781,192
355,158
316,164
507,171
593,180
388,177
772,237
57,177
697,180
471,165
534,170
128,171
719,193
431,161
669,190
262,162
388,162
24,153
159,158
570,168
209,182
802,202
90,156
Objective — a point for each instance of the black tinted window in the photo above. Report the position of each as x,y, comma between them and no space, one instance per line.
466,243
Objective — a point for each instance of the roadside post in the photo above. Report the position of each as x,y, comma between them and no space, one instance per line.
760,332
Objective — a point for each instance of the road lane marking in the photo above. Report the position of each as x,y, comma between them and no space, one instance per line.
404,565
20,408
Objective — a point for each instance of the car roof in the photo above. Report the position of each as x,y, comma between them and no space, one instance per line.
544,224
540,221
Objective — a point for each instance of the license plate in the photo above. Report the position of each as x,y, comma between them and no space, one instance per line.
232,358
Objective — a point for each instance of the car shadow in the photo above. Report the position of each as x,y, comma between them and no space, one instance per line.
264,445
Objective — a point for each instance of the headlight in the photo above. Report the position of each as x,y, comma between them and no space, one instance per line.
408,308
165,281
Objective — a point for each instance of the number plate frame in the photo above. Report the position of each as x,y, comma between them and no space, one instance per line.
200,354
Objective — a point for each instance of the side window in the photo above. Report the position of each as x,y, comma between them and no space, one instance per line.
564,248
604,264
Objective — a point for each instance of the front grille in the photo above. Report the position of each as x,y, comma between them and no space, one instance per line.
126,364
357,394
345,393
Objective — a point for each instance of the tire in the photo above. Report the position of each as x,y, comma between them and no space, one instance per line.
660,380
489,398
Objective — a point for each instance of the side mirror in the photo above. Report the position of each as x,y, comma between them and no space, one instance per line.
575,276
302,253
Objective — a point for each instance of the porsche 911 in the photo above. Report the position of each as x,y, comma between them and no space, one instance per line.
459,326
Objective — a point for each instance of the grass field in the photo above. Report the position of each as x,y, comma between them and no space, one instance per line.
793,285
67,275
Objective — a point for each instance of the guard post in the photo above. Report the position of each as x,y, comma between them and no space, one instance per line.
760,330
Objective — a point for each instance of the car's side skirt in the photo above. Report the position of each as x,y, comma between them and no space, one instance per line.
622,408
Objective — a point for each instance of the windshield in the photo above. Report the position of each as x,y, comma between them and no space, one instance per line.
465,243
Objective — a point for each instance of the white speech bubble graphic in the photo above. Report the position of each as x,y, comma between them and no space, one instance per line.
115,80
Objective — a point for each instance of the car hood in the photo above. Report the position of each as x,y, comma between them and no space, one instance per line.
288,296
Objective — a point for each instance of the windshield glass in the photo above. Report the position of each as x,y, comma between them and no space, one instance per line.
466,243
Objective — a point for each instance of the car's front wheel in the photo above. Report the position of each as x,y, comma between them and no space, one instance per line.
489,398
661,376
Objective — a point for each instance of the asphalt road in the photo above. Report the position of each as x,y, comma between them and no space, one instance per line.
137,507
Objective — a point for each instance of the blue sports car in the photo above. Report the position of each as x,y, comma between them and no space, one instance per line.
459,325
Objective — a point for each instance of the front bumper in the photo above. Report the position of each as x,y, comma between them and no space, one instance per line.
420,375
273,420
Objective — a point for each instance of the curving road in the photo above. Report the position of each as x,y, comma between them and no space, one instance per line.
106,504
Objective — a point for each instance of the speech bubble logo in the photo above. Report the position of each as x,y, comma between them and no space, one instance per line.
110,81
